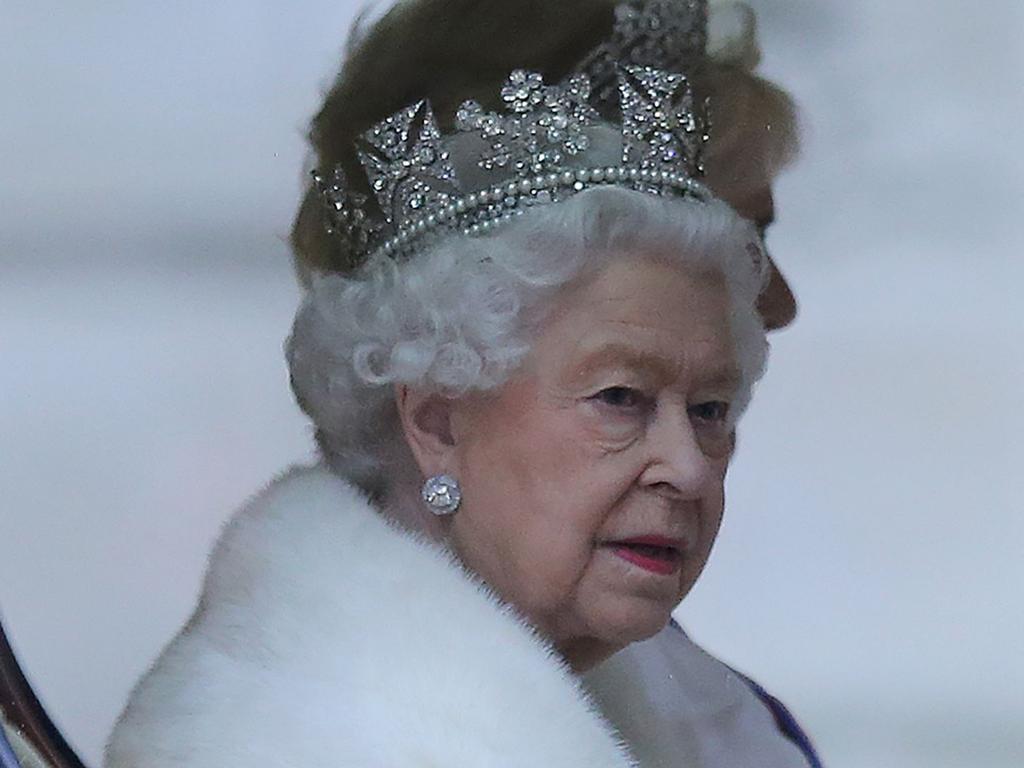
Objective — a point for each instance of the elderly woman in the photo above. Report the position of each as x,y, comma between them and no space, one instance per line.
529,334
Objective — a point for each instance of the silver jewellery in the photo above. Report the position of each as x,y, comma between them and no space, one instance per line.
442,494
538,152
548,144
671,35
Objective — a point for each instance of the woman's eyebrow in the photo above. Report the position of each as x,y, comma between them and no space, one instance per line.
617,353
611,353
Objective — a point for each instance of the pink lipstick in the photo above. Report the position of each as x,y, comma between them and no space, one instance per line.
657,554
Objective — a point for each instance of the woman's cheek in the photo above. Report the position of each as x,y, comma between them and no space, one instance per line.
610,429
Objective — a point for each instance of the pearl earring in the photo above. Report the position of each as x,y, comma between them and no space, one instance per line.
442,494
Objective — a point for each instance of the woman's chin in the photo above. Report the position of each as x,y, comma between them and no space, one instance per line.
609,631
633,621
630,604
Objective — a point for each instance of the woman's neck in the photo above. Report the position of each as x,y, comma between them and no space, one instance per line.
583,654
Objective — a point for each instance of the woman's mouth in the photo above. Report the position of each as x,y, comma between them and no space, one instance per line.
654,554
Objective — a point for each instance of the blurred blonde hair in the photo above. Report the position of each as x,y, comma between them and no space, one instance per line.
448,51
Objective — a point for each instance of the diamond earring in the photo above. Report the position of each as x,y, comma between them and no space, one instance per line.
442,494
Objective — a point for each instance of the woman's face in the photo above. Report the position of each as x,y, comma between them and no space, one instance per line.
593,480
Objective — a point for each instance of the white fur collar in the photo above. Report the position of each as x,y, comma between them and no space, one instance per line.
326,638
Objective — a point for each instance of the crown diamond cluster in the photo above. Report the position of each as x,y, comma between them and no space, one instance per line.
668,34
406,164
546,123
539,149
659,125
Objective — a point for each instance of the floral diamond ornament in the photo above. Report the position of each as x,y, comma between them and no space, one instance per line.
543,124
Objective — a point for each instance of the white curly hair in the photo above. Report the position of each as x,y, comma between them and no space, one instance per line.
461,315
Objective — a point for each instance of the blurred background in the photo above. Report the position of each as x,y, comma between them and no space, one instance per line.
871,568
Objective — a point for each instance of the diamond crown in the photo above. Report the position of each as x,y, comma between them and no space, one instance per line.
548,143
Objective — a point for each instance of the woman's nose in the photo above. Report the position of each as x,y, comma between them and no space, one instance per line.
676,461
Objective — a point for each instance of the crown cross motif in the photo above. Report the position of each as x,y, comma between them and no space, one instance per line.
668,34
660,126
406,163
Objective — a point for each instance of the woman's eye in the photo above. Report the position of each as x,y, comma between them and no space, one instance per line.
620,397
715,411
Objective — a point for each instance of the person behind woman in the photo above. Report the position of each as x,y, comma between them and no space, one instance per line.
529,333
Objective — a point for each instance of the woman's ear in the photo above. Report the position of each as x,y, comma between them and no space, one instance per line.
427,425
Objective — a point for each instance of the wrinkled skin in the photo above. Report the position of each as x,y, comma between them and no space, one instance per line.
582,448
